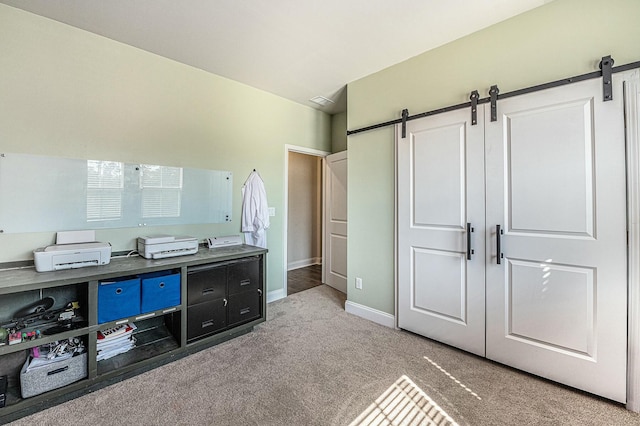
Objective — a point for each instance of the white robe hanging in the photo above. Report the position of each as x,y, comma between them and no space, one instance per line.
255,211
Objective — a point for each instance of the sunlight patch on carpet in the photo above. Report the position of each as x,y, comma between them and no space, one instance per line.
404,403
462,385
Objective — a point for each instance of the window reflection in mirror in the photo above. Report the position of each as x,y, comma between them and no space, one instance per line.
49,194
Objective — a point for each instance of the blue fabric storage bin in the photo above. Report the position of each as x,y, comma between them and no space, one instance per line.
118,299
159,290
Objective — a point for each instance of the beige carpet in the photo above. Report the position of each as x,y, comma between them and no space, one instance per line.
312,363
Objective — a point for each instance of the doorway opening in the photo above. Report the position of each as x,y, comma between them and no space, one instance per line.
304,222
303,208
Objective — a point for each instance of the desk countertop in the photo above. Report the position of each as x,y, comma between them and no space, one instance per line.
23,279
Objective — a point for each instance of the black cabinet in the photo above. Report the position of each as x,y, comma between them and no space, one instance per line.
245,294
223,295
206,283
205,319
244,307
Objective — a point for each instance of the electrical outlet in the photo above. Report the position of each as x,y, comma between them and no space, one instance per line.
359,283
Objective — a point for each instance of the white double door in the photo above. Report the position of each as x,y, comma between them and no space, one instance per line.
550,172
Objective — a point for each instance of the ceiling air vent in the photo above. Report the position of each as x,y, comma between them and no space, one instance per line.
321,100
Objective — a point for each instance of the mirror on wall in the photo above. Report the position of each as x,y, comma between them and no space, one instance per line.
41,194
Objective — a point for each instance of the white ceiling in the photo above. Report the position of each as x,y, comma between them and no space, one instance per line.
296,49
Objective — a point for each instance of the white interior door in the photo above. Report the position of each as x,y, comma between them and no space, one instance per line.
557,302
440,190
335,221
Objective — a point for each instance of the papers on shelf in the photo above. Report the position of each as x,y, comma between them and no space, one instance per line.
115,341
44,355
44,361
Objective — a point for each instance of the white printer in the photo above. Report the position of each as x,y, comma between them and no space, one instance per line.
70,256
226,241
161,246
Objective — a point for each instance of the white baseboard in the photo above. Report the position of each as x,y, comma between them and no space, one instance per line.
371,314
304,263
274,295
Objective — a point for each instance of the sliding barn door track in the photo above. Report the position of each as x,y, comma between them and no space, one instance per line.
606,71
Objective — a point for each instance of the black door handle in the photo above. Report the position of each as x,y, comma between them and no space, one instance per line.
469,249
499,232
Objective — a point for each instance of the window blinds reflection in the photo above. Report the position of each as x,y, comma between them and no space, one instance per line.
161,190
105,183
42,194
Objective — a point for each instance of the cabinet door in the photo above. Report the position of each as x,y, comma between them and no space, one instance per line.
206,318
206,283
244,307
244,276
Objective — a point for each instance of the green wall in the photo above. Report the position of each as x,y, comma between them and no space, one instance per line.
558,40
69,93
339,132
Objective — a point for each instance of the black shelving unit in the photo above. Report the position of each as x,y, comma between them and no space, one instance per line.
161,335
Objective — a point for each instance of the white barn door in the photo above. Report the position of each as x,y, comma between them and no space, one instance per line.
557,302
440,191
